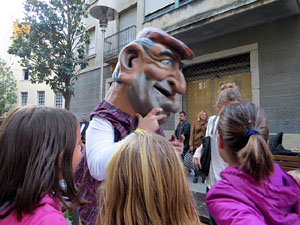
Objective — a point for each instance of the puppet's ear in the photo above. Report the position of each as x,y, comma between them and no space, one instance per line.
130,60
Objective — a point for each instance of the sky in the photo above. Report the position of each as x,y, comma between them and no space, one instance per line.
10,11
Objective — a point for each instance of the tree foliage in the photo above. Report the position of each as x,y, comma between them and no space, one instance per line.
54,47
8,88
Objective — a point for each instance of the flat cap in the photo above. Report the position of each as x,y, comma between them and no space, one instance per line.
162,37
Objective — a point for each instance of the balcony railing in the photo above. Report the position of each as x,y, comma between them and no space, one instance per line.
114,43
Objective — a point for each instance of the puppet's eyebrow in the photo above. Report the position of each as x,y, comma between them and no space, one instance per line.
167,52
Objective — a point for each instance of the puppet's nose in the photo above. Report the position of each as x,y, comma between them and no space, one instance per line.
178,83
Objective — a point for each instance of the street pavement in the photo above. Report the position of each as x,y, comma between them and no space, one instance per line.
197,187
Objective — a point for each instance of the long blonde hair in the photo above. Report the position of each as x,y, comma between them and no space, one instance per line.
146,184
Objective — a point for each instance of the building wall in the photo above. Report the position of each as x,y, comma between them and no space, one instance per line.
86,90
274,59
128,18
87,87
27,86
190,10
124,7
278,67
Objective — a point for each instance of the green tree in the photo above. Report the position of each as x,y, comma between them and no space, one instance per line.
51,43
8,88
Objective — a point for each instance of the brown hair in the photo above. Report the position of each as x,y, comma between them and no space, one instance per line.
31,140
228,92
146,184
252,151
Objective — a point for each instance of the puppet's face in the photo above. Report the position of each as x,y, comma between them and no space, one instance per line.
157,81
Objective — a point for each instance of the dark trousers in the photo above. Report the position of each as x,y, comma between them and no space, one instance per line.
185,149
196,172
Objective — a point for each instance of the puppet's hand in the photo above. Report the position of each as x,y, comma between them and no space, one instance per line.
178,144
150,121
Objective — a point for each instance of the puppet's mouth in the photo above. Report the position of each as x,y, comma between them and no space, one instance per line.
165,92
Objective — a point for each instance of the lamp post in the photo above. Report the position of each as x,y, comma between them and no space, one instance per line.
103,14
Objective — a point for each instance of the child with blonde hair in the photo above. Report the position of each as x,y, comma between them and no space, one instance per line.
146,184
39,146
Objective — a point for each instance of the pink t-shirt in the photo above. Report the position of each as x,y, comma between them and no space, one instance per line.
47,214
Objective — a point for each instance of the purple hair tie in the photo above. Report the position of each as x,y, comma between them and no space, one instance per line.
250,132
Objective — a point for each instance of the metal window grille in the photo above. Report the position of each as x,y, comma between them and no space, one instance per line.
204,80
58,100
24,98
41,97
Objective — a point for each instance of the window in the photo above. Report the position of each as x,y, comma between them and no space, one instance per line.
58,100
25,74
153,5
24,98
41,97
90,48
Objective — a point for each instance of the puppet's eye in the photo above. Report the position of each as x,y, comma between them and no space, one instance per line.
167,62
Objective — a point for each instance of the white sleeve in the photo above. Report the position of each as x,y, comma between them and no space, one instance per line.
100,146
209,124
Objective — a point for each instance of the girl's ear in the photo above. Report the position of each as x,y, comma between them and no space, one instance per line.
130,62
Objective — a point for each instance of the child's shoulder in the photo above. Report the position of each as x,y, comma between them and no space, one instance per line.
49,212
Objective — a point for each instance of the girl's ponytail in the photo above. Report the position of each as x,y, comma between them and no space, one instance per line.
256,158
244,128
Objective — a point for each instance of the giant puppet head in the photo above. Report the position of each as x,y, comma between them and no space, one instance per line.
150,67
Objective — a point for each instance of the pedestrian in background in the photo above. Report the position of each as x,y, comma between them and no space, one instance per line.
183,128
198,131
84,124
